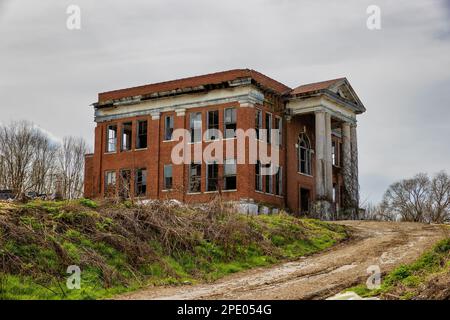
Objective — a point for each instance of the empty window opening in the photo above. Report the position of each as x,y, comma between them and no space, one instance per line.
268,179
258,177
168,125
279,127
279,182
141,183
212,177
213,124
126,136
230,181
258,123
110,184
269,127
230,123
125,184
304,154
196,127
195,177
141,138
168,179
111,134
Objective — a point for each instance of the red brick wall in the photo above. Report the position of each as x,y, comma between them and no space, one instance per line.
158,153
296,180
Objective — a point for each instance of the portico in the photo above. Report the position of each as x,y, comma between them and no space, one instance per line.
334,107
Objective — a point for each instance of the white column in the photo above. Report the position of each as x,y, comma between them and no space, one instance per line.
323,174
346,162
319,153
354,156
328,159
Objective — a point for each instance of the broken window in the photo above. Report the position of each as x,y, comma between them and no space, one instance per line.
258,122
140,183
195,177
168,180
110,183
230,123
126,136
279,127
230,181
279,182
111,134
269,179
196,127
304,154
269,127
212,176
125,184
258,177
168,128
141,138
213,124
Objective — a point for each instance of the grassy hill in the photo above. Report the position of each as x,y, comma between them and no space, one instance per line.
123,247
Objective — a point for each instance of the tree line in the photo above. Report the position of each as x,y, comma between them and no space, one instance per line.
419,199
32,163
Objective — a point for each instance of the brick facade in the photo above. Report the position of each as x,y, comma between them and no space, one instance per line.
153,107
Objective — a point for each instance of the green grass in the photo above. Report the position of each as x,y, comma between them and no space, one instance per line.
405,279
119,248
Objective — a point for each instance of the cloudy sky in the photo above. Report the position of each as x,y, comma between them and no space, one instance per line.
50,75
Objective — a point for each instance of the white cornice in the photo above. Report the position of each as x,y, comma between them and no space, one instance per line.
246,96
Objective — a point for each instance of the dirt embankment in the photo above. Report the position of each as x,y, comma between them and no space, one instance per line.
385,244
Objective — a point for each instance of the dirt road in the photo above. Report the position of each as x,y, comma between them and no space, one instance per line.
385,244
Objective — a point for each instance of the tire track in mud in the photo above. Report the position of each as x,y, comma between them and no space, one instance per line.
386,244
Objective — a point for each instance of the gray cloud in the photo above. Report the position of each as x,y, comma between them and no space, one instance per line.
50,75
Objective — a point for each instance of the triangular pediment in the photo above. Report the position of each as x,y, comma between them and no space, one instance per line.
344,91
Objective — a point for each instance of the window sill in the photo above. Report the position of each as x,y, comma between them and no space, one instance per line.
110,152
232,138
231,190
193,193
167,190
215,191
269,194
140,149
305,174
169,140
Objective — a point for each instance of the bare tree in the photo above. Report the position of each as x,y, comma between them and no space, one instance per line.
408,199
32,162
71,166
419,199
439,210
43,167
17,152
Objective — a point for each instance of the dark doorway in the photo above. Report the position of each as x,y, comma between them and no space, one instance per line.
304,204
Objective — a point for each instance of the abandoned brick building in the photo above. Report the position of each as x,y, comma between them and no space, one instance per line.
318,157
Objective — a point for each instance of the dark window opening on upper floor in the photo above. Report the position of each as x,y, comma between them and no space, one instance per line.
111,135
141,138
127,129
